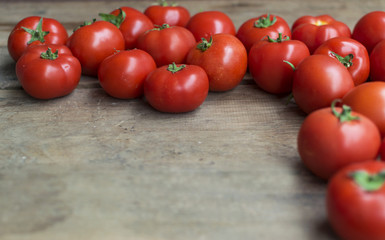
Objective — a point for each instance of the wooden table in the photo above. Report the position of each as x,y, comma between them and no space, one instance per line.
88,166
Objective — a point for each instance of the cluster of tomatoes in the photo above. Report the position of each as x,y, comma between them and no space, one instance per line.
175,59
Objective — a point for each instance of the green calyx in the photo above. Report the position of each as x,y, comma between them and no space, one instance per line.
38,34
346,61
174,68
86,23
345,115
265,22
204,45
49,55
164,3
116,20
161,27
279,39
368,182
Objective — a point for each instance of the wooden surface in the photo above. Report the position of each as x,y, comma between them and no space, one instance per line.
88,166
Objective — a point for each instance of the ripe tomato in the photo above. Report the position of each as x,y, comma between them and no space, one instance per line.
93,42
369,30
355,201
314,31
35,30
369,100
331,138
48,71
176,88
377,62
167,44
318,80
349,52
382,150
267,66
223,57
173,15
205,24
131,22
122,74
256,29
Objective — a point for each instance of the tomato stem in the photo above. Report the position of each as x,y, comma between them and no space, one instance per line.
279,39
346,61
116,20
265,22
368,182
164,3
38,34
161,27
204,45
85,23
290,64
49,55
345,115
174,68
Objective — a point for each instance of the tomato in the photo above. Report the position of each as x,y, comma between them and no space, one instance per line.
122,74
369,30
349,52
331,138
167,44
314,31
207,23
176,88
267,66
381,152
369,100
223,57
377,62
35,30
355,201
173,15
318,80
256,29
93,42
48,71
131,22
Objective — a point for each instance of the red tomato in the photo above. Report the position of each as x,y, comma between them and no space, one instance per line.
318,80
48,71
314,31
256,29
205,24
331,138
355,201
93,42
122,74
131,22
377,62
35,30
176,88
173,15
369,30
349,52
224,58
369,100
382,150
267,66
167,44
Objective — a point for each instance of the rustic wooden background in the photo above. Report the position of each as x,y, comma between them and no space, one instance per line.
88,166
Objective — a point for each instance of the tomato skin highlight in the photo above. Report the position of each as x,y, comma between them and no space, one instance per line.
267,66
225,61
122,74
343,46
178,92
369,100
326,145
207,23
91,44
47,79
18,38
318,80
355,213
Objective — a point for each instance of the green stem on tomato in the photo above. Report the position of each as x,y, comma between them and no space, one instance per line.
161,27
368,182
346,61
345,115
204,45
116,20
38,34
265,22
49,55
86,23
279,39
173,68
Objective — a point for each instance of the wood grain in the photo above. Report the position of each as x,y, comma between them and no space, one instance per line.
88,166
